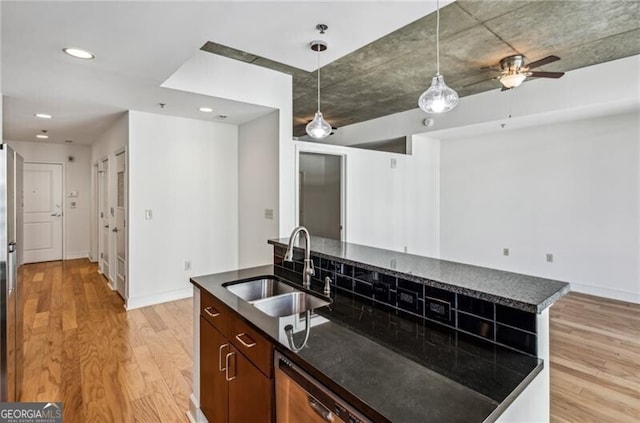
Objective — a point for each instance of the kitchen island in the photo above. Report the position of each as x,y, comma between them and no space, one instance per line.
408,338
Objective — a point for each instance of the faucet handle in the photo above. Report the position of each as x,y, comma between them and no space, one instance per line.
311,271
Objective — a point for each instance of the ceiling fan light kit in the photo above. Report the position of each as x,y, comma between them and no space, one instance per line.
318,128
438,98
512,80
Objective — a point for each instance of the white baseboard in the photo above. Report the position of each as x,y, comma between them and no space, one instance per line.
613,294
195,413
73,256
163,297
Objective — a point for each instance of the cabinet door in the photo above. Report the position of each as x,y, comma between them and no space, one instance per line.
213,385
250,392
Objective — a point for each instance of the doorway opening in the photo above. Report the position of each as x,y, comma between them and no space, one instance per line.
320,196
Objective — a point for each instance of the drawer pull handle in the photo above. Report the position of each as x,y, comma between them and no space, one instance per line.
320,409
226,370
214,313
249,345
223,346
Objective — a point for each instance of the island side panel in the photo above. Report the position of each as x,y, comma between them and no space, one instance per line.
194,413
533,404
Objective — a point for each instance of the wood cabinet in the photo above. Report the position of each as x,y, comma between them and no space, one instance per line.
236,367
213,384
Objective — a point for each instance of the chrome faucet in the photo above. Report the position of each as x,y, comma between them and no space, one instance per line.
308,270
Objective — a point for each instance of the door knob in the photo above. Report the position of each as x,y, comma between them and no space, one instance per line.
55,214
115,230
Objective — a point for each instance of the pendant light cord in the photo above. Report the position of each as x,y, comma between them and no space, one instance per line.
318,47
437,37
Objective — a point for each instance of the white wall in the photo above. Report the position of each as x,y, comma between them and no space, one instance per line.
77,175
219,76
113,139
570,189
257,189
185,171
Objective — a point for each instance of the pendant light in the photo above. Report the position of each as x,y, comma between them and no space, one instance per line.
439,98
319,128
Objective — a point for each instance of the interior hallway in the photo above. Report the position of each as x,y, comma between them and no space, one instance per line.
108,365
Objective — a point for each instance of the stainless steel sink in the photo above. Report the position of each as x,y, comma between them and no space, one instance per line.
259,288
289,304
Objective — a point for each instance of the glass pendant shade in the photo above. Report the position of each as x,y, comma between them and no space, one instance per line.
318,128
439,98
512,80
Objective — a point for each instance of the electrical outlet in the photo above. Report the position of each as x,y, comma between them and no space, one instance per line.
187,265
549,258
394,163
505,251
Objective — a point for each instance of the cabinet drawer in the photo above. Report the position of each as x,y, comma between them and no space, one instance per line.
214,311
253,345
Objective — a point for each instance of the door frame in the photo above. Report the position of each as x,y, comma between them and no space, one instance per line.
125,154
95,210
62,201
99,219
311,148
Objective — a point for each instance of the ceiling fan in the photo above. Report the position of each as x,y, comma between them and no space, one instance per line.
514,70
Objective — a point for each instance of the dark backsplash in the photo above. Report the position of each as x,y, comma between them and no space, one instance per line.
498,324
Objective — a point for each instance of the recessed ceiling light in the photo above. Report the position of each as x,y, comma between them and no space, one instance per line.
42,136
78,53
43,116
206,109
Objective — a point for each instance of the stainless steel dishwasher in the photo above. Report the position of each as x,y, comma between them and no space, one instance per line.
301,398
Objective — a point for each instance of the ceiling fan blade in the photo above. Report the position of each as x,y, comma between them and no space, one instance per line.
478,82
542,62
546,74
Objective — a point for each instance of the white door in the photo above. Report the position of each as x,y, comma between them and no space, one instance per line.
104,218
42,212
121,224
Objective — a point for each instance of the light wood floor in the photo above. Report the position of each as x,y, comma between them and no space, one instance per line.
595,360
108,365
104,364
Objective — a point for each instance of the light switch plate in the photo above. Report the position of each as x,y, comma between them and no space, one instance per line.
549,258
268,214
505,251
148,215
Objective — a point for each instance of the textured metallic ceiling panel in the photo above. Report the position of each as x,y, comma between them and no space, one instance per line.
387,75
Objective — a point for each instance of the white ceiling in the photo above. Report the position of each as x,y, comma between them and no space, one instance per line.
138,45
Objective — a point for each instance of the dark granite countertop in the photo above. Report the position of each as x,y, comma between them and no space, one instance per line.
391,368
524,292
